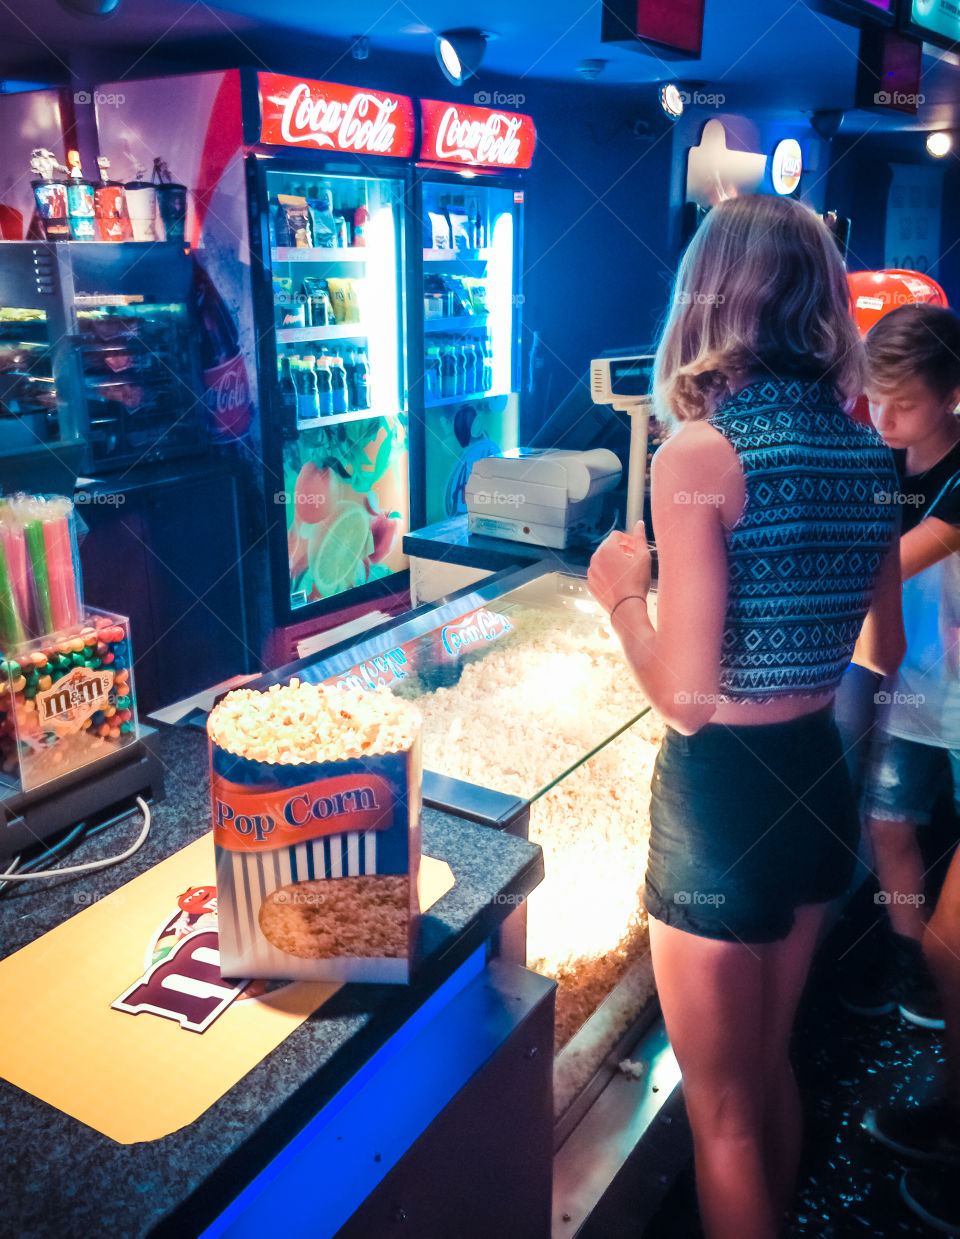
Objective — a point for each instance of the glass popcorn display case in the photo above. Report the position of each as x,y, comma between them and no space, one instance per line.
525,692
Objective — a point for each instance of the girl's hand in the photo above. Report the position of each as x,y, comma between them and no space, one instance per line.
620,567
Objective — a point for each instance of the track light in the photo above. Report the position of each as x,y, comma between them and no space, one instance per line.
460,53
939,144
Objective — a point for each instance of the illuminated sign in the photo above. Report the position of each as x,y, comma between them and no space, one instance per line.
334,118
475,137
786,166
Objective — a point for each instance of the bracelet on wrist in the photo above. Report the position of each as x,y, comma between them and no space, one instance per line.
626,598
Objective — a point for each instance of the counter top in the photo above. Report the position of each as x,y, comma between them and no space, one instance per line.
451,540
148,477
66,1179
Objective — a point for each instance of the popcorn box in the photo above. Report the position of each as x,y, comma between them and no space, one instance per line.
317,861
67,699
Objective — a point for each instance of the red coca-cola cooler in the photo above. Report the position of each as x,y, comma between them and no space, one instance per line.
296,222
469,199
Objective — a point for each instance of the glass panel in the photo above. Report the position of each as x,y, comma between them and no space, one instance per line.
469,309
29,404
335,253
136,363
517,693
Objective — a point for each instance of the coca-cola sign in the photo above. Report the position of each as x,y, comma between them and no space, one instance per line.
477,137
296,112
227,398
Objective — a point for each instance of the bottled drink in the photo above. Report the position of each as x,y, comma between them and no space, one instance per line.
224,372
478,363
487,364
349,366
448,372
309,403
476,228
361,217
338,385
461,372
470,383
289,402
431,375
324,386
361,380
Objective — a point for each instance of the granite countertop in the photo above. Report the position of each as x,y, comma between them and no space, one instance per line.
63,1178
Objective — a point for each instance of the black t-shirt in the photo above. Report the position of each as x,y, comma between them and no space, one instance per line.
936,492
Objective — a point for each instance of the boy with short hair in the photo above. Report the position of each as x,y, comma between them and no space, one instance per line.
914,388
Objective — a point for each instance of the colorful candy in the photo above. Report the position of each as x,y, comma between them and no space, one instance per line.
30,686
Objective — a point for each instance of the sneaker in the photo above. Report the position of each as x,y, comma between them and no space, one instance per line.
928,1132
934,1197
919,1001
867,984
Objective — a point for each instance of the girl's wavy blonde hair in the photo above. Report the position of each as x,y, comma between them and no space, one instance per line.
761,291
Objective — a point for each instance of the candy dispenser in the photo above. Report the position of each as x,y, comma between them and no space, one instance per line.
68,699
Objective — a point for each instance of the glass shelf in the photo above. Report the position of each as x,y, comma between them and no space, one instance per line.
337,331
341,253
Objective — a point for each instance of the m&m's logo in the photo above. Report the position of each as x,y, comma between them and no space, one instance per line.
66,705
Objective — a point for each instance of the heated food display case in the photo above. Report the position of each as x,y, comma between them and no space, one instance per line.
527,700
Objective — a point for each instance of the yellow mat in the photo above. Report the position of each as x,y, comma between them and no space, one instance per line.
141,1076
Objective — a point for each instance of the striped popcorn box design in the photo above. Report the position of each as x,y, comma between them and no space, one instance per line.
317,865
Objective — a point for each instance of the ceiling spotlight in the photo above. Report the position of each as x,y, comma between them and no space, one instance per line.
590,69
826,122
672,100
89,8
460,52
939,144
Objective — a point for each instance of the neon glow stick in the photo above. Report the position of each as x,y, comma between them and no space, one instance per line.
36,552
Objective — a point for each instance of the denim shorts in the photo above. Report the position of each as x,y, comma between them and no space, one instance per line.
747,824
906,778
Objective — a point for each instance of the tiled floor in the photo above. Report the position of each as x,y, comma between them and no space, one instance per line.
850,1185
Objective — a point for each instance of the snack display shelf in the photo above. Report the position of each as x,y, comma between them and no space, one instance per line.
333,419
473,395
456,256
315,254
454,322
336,331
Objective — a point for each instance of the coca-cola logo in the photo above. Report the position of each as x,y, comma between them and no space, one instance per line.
227,396
363,124
492,141
334,117
479,136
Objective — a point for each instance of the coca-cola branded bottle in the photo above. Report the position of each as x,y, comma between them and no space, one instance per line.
324,386
361,380
289,396
338,385
224,372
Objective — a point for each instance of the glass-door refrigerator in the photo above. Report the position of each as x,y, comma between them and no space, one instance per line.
332,375
469,203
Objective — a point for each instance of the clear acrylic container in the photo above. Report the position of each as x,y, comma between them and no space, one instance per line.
67,700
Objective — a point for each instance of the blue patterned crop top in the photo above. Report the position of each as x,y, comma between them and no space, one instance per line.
803,558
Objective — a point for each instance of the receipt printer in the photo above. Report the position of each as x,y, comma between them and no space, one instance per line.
545,496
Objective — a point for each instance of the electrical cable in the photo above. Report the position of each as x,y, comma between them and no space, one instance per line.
89,865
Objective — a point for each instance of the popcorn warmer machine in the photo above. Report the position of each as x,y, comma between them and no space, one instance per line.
533,718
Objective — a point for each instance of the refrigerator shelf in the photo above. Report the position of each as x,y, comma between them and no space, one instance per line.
339,331
292,253
457,320
456,256
333,419
473,395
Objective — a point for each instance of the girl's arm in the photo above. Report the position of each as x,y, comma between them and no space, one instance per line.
882,642
677,664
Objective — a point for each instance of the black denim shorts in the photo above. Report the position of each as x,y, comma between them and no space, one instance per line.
748,824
